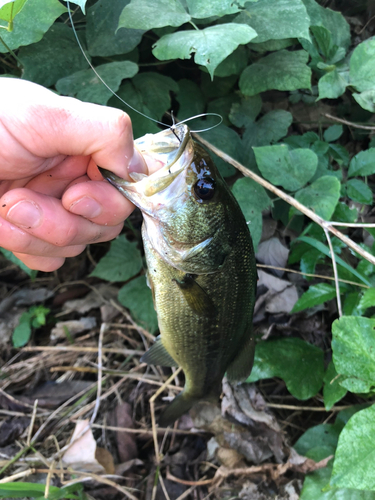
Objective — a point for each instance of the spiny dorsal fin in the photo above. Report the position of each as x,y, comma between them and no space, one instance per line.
158,355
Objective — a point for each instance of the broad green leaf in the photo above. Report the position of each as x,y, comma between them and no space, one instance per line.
362,164
359,191
366,100
362,66
33,21
252,199
244,113
331,85
12,258
343,213
325,250
22,489
210,45
320,439
190,99
22,332
80,3
368,299
222,107
298,363
276,19
121,262
103,37
234,64
10,8
323,40
289,169
150,14
85,85
282,70
332,390
316,487
56,56
333,133
199,9
355,455
321,196
333,21
315,295
353,347
137,297
339,153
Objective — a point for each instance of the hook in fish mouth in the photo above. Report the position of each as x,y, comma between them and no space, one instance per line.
168,147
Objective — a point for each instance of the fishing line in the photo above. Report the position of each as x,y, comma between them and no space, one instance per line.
127,104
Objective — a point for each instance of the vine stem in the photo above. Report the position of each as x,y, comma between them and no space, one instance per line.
326,225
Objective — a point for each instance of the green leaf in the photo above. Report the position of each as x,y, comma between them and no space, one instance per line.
150,14
333,21
221,106
210,45
282,167
353,346
282,70
316,487
22,489
368,299
298,363
318,440
199,9
234,64
122,261
333,133
362,163
331,85
366,100
355,455
325,250
359,191
321,196
362,66
315,295
332,390
244,113
137,297
12,258
33,21
22,332
276,19
252,199
343,213
85,85
10,8
80,3
103,37
56,56
190,99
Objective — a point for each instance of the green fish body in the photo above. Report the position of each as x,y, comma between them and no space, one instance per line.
201,267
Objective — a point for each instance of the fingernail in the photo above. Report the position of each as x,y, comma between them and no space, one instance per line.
137,163
87,207
25,214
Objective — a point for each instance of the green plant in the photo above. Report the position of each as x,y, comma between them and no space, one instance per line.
35,317
306,53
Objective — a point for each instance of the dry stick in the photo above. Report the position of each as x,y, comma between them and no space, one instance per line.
289,199
31,426
346,122
334,265
308,408
100,373
67,348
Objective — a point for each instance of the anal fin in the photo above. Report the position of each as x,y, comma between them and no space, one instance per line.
158,355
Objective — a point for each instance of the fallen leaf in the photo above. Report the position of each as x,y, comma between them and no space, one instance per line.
95,299
53,394
73,326
126,441
273,253
11,429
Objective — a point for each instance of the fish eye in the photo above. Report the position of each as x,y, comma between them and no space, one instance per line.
204,189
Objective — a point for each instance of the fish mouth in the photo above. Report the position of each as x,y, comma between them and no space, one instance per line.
169,147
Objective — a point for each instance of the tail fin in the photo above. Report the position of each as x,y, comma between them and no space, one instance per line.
180,405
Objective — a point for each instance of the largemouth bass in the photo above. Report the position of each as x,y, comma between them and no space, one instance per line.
201,267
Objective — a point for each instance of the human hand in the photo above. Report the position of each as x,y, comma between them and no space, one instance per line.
53,201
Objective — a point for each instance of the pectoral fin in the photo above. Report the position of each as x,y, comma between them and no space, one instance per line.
158,355
197,298
240,367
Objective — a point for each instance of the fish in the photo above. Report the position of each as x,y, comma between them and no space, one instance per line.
200,267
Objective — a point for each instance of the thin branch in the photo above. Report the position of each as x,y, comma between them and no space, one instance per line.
346,122
289,199
100,373
334,265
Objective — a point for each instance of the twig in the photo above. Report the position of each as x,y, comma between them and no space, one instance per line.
334,265
146,431
308,408
346,122
289,199
31,426
94,350
200,482
100,373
